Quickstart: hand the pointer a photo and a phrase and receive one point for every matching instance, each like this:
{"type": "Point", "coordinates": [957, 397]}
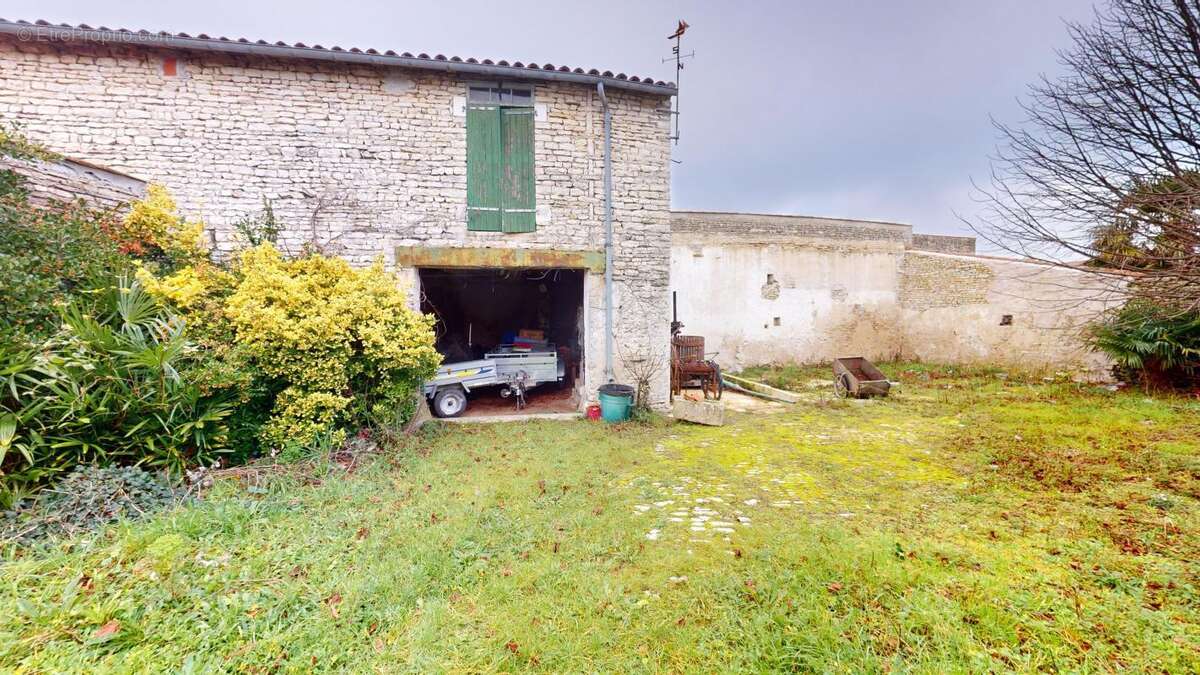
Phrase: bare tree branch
{"type": "Point", "coordinates": [1103, 173]}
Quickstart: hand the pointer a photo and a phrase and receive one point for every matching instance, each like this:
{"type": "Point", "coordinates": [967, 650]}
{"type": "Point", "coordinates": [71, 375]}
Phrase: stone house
{"type": "Point", "coordinates": [482, 183]}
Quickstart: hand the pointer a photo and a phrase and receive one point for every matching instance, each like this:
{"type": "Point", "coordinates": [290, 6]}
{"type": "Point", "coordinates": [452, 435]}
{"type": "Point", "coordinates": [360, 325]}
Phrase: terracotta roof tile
{"type": "Point", "coordinates": [202, 42]}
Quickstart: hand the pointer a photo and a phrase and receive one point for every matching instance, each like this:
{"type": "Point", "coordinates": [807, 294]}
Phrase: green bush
{"type": "Point", "coordinates": [1158, 345]}
{"type": "Point", "coordinates": [107, 388]}
{"type": "Point", "coordinates": [86, 499]}
{"type": "Point", "coordinates": [276, 353]}
{"type": "Point", "coordinates": [340, 344]}
{"type": "Point", "coordinates": [258, 228]}
{"type": "Point", "coordinates": [49, 256]}
{"type": "Point", "coordinates": [222, 368]}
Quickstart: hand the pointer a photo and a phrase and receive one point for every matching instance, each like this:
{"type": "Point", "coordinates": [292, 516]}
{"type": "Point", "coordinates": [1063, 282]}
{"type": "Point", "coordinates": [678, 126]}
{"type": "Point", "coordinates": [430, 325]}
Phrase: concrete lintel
{"type": "Point", "coordinates": [456, 256]}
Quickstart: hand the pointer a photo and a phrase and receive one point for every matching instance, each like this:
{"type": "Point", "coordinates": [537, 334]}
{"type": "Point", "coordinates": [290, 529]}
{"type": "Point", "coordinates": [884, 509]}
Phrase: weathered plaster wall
{"type": "Point", "coordinates": [769, 289]}
{"type": "Point", "coordinates": [771, 303]}
{"type": "Point", "coordinates": [782, 290]}
{"type": "Point", "coordinates": [356, 159]}
{"type": "Point", "coordinates": [954, 309]}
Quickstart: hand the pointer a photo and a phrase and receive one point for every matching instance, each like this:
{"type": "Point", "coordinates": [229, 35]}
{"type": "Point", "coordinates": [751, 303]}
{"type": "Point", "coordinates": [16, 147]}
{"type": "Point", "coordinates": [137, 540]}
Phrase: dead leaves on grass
{"type": "Point", "coordinates": [332, 603]}
{"type": "Point", "coordinates": [107, 631]}
{"type": "Point", "coordinates": [1139, 537]}
{"type": "Point", "coordinates": [515, 649]}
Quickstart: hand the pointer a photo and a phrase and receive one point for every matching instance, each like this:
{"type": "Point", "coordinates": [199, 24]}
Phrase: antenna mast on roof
{"type": "Point", "coordinates": [677, 56]}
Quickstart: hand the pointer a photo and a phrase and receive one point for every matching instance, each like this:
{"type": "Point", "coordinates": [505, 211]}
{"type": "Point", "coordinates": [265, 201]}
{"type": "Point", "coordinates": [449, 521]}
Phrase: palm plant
{"type": "Point", "coordinates": [17, 412]}
{"type": "Point", "coordinates": [1159, 345]}
{"type": "Point", "coordinates": [108, 388]}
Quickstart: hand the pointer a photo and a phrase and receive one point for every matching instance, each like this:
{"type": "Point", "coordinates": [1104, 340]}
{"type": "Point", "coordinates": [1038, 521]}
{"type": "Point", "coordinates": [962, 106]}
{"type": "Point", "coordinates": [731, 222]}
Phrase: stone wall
{"type": "Point", "coordinates": [758, 227]}
{"type": "Point", "coordinates": [943, 243]}
{"type": "Point", "coordinates": [771, 289]}
{"type": "Point", "coordinates": [787, 290]}
{"type": "Point", "coordinates": [1001, 311]}
{"type": "Point", "coordinates": [356, 160]}
{"type": "Point", "coordinates": [928, 282]}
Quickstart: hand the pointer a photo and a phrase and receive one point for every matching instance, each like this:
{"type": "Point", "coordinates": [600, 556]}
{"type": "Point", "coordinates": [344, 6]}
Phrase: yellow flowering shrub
{"type": "Point", "coordinates": [154, 225]}
{"type": "Point", "coordinates": [341, 342]}
{"type": "Point", "coordinates": [302, 415]}
{"type": "Point", "coordinates": [188, 286]}
{"type": "Point", "coordinates": [197, 292]}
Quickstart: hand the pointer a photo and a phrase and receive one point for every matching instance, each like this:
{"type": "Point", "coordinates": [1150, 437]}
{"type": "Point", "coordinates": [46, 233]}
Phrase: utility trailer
{"type": "Point", "coordinates": [516, 371]}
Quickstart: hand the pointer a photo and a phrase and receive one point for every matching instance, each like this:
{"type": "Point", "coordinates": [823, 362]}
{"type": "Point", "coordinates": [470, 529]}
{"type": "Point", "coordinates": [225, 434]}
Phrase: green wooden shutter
{"type": "Point", "coordinates": [485, 160]}
{"type": "Point", "coordinates": [517, 188]}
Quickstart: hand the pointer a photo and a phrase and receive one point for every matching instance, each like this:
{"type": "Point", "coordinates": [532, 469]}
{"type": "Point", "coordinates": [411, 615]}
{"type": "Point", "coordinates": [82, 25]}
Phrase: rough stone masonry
{"type": "Point", "coordinates": [359, 159]}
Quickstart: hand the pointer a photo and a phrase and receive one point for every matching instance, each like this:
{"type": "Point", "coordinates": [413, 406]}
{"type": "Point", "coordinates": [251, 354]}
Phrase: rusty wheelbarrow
{"type": "Point", "coordinates": [859, 378]}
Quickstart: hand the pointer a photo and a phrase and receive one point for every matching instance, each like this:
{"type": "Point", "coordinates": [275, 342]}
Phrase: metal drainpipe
{"type": "Point", "coordinates": [608, 237]}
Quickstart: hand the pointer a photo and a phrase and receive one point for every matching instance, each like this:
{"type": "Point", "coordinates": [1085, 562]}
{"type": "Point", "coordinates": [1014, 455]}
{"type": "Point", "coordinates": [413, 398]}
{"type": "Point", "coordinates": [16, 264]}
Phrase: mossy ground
{"type": "Point", "coordinates": [973, 521]}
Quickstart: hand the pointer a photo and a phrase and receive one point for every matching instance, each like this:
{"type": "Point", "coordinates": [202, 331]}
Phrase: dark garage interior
{"type": "Point", "coordinates": [478, 310]}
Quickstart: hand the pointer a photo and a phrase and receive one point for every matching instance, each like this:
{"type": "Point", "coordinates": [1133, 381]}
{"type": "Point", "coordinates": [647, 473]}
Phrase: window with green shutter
{"type": "Point", "coordinates": [500, 180]}
{"type": "Point", "coordinates": [485, 164]}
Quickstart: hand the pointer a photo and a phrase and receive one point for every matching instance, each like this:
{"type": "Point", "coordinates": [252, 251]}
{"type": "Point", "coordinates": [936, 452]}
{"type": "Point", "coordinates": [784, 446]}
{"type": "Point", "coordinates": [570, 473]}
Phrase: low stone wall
{"type": "Point", "coordinates": [760, 228]}
{"type": "Point", "coordinates": [944, 243]}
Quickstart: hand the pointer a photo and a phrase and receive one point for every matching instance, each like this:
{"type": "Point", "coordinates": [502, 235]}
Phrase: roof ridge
{"type": "Point", "coordinates": [63, 32]}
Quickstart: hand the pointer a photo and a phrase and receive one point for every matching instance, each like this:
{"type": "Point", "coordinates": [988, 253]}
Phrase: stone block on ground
{"type": "Point", "coordinates": [711, 413]}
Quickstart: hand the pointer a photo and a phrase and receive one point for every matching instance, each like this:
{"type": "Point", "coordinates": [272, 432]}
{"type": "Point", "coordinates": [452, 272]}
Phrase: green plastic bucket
{"type": "Point", "coordinates": [616, 400]}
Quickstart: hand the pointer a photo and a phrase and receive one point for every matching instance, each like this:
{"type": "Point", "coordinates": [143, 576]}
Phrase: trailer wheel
{"type": "Point", "coordinates": [841, 386]}
{"type": "Point", "coordinates": [450, 402]}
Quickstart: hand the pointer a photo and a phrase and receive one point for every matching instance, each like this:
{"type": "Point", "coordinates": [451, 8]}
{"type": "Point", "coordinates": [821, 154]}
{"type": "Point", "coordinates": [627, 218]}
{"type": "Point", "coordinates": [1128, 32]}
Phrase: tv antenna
{"type": "Point", "coordinates": [678, 56]}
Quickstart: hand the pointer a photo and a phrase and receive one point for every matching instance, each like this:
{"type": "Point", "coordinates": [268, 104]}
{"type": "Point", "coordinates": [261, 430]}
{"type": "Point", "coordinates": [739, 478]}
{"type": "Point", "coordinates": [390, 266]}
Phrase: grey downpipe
{"type": "Point", "coordinates": [608, 237]}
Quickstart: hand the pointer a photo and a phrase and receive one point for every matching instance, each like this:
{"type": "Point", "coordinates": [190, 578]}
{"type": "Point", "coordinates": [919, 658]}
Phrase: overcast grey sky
{"type": "Point", "coordinates": [855, 108]}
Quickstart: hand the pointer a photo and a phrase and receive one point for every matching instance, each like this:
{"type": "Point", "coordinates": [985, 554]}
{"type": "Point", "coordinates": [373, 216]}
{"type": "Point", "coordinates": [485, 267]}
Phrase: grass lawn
{"type": "Point", "coordinates": [970, 522]}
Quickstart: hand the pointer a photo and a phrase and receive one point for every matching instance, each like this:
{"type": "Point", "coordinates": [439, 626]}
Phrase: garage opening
{"type": "Point", "coordinates": [526, 323]}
